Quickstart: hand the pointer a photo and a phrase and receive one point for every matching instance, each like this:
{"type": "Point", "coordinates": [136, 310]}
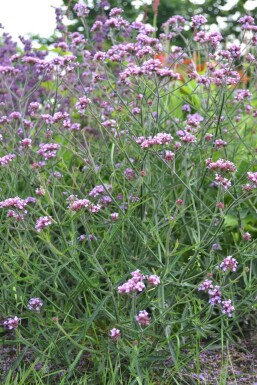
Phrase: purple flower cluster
{"type": "Point", "coordinates": [219, 143]}
{"type": "Point", "coordinates": [16, 202]}
{"type": "Point", "coordinates": [42, 223]}
{"type": "Point", "coordinates": [212, 38]}
{"type": "Point", "coordinates": [82, 104]}
{"type": "Point", "coordinates": [215, 295]}
{"type": "Point", "coordinates": [159, 139]}
{"type": "Point", "coordinates": [148, 68]}
{"type": "Point", "coordinates": [136, 283]}
{"type": "Point", "coordinates": [198, 21]}
{"type": "Point", "coordinates": [99, 190]}
{"type": "Point", "coordinates": [143, 318]}
{"type": "Point", "coordinates": [227, 308]}
{"type": "Point", "coordinates": [4, 160]}
{"type": "Point", "coordinates": [115, 334]}
{"type": "Point", "coordinates": [221, 164]}
{"type": "Point", "coordinates": [169, 155]}
{"type": "Point", "coordinates": [48, 150]}
{"type": "Point", "coordinates": [177, 23]}
{"type": "Point", "coordinates": [81, 9]}
{"type": "Point", "coordinates": [78, 204]}
{"type": "Point", "coordinates": [12, 323]}
{"type": "Point", "coordinates": [252, 176]}
{"type": "Point", "coordinates": [222, 181]}
{"type": "Point", "coordinates": [35, 304]}
{"type": "Point", "coordinates": [206, 285]}
{"type": "Point", "coordinates": [247, 23]}
{"type": "Point", "coordinates": [229, 263]}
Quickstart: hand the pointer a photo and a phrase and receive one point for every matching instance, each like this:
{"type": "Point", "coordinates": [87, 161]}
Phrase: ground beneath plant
{"type": "Point", "coordinates": [236, 365]}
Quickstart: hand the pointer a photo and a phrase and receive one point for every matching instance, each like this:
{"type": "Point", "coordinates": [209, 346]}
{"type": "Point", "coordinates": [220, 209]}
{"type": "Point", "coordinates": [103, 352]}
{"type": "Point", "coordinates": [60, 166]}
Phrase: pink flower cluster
{"type": "Point", "coordinates": [198, 20]}
{"type": "Point", "coordinates": [149, 67]}
{"type": "Point", "coordinates": [41, 66]}
{"type": "Point", "coordinates": [81, 9]}
{"type": "Point", "coordinates": [115, 334]}
{"type": "Point", "coordinates": [42, 223]}
{"type": "Point", "coordinates": [215, 298]}
{"type": "Point", "coordinates": [219, 143]}
{"type": "Point", "coordinates": [159, 139]}
{"type": "Point", "coordinates": [176, 22]}
{"type": "Point", "coordinates": [229, 263]}
{"type": "Point", "coordinates": [215, 295]}
{"type": "Point", "coordinates": [223, 182]}
{"type": "Point", "coordinates": [114, 216]}
{"type": "Point", "coordinates": [169, 155]}
{"type": "Point", "coordinates": [186, 137]}
{"type": "Point", "coordinates": [136, 283]}
{"type": "Point", "coordinates": [213, 38]}
{"type": "Point", "coordinates": [247, 23]}
{"type": "Point", "coordinates": [99, 190]}
{"type": "Point", "coordinates": [59, 116]}
{"type": "Point", "coordinates": [116, 12]}
{"type": "Point", "coordinates": [15, 115]}
{"type": "Point", "coordinates": [40, 191]}
{"type": "Point", "coordinates": [17, 216]}
{"type": "Point", "coordinates": [19, 204]}
{"type": "Point", "coordinates": [143, 318]}
{"type": "Point", "coordinates": [25, 143]}
{"type": "Point", "coordinates": [242, 95]}
{"type": "Point", "coordinates": [4, 160]}
{"type": "Point", "coordinates": [33, 108]}
{"type": "Point", "coordinates": [79, 204]}
{"type": "Point", "coordinates": [130, 174]}
{"type": "Point", "coordinates": [94, 208]}
{"type": "Point", "coordinates": [252, 176]}
{"type": "Point", "coordinates": [82, 104]}
{"type": "Point", "coordinates": [153, 279]}
{"type": "Point", "coordinates": [9, 70]}
{"type": "Point", "coordinates": [49, 150]}
{"type": "Point", "coordinates": [35, 304]}
{"type": "Point", "coordinates": [206, 285]}
{"type": "Point", "coordinates": [16, 202]}
{"type": "Point", "coordinates": [227, 307]}
{"type": "Point", "coordinates": [12, 323]}
{"type": "Point", "coordinates": [221, 164]}
{"type": "Point", "coordinates": [144, 45]}
{"type": "Point", "coordinates": [247, 236]}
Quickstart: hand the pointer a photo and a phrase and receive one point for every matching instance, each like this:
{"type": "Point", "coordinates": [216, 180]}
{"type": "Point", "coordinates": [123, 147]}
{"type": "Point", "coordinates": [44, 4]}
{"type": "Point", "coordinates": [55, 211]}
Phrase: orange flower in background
{"type": "Point", "coordinates": [244, 77]}
{"type": "Point", "coordinates": [199, 67]}
{"type": "Point", "coordinates": [162, 57]}
{"type": "Point", "coordinates": [188, 65]}
{"type": "Point", "coordinates": [182, 67]}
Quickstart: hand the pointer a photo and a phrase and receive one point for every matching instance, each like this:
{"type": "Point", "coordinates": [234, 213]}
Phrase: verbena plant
{"type": "Point", "coordinates": [128, 200]}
